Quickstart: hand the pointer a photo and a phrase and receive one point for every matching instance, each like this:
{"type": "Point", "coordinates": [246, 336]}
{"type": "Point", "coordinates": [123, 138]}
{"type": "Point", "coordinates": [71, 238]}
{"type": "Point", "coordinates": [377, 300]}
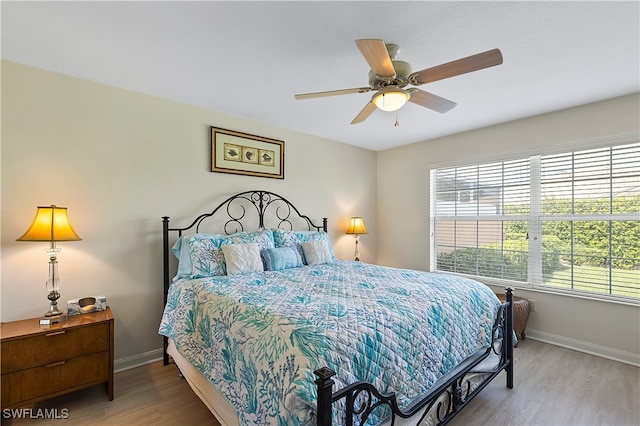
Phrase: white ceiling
{"type": "Point", "coordinates": [248, 59]}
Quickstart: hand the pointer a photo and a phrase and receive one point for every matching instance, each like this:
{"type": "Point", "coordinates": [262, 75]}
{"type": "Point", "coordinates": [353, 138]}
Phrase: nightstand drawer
{"type": "Point", "coordinates": [53, 346]}
{"type": "Point", "coordinates": [57, 377]}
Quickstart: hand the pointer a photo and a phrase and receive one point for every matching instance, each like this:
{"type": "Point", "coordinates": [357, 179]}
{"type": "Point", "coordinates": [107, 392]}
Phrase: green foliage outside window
{"type": "Point", "coordinates": [596, 243]}
{"type": "Point", "coordinates": [509, 260]}
{"type": "Point", "coordinates": [604, 243]}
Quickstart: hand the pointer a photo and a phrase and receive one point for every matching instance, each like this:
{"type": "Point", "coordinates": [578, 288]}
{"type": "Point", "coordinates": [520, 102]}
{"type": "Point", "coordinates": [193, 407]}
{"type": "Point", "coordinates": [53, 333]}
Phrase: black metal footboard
{"type": "Point", "coordinates": [446, 400]}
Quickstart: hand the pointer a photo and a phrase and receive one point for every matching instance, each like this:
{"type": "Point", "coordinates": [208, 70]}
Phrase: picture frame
{"type": "Point", "coordinates": [244, 154]}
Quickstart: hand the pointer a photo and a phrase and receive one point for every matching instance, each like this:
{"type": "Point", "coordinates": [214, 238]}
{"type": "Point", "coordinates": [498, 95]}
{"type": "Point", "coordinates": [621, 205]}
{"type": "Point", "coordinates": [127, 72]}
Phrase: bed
{"type": "Point", "coordinates": [268, 327]}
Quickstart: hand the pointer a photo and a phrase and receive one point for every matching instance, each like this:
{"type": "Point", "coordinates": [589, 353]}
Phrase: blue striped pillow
{"type": "Point", "coordinates": [275, 259]}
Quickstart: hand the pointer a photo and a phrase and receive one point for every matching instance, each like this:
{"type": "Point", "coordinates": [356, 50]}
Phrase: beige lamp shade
{"type": "Point", "coordinates": [50, 224]}
{"type": "Point", "coordinates": [356, 226]}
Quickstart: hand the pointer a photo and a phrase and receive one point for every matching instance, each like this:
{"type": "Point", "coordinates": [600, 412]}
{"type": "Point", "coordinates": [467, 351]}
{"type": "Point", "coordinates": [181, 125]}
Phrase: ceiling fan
{"type": "Point", "coordinates": [389, 77]}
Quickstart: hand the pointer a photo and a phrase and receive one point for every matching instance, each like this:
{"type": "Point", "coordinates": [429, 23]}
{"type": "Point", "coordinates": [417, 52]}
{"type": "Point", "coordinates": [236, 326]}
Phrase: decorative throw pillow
{"type": "Point", "coordinates": [317, 252]}
{"type": "Point", "coordinates": [242, 258]}
{"type": "Point", "coordinates": [279, 258]}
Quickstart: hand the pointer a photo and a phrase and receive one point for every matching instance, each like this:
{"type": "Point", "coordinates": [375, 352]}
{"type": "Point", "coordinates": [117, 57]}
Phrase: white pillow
{"type": "Point", "coordinates": [316, 252]}
{"type": "Point", "coordinates": [242, 258]}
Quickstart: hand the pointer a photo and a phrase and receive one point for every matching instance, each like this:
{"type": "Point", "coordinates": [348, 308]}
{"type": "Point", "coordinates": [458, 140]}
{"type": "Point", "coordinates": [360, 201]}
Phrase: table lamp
{"type": "Point", "coordinates": [51, 225]}
{"type": "Point", "coordinates": [356, 227]}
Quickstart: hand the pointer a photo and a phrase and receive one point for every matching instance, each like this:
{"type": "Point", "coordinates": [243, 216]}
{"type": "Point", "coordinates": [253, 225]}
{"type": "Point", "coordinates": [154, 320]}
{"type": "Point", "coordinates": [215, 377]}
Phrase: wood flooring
{"type": "Point", "coordinates": [553, 386]}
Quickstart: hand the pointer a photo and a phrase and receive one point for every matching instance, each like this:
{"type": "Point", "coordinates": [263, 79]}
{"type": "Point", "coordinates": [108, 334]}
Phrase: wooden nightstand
{"type": "Point", "coordinates": [40, 363]}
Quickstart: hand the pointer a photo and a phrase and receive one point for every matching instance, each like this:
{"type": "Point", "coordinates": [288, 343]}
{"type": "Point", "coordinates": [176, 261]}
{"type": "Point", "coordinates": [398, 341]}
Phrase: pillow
{"type": "Point", "coordinates": [275, 259]}
{"type": "Point", "coordinates": [317, 252]}
{"type": "Point", "coordinates": [263, 237]}
{"type": "Point", "coordinates": [206, 256]}
{"type": "Point", "coordinates": [181, 251]}
{"type": "Point", "coordinates": [283, 238]}
{"type": "Point", "coordinates": [242, 258]}
{"type": "Point", "coordinates": [296, 238]}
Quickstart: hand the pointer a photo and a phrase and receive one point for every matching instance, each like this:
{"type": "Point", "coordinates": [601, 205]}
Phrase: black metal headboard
{"type": "Point", "coordinates": [262, 209]}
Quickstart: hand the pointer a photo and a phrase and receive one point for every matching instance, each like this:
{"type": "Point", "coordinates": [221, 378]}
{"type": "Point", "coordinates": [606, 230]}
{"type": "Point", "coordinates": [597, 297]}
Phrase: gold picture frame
{"type": "Point", "coordinates": [244, 154]}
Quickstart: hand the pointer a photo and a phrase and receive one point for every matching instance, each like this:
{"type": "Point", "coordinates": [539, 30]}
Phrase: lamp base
{"type": "Point", "coordinates": [54, 314]}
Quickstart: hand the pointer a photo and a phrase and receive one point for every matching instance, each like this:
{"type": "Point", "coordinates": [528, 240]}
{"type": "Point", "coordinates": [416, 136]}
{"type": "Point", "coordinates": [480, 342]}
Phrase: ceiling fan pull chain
{"type": "Point", "coordinates": [397, 123]}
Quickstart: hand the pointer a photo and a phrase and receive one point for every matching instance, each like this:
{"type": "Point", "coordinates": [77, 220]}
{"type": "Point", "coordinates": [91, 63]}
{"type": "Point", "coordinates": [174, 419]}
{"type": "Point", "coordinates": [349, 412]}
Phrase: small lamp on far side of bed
{"type": "Point", "coordinates": [356, 228]}
{"type": "Point", "coordinates": [51, 224]}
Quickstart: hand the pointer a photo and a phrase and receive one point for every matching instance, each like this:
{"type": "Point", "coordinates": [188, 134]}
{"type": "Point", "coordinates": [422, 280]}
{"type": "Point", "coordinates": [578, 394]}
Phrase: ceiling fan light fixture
{"type": "Point", "coordinates": [390, 98]}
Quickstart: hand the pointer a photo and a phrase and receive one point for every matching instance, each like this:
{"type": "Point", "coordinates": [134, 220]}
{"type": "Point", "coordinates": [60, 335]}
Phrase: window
{"type": "Point", "coordinates": [569, 222]}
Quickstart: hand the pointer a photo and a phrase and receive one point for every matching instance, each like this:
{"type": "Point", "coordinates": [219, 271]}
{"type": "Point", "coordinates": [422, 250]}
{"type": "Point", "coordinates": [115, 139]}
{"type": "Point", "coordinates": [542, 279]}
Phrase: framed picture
{"type": "Point", "coordinates": [244, 154]}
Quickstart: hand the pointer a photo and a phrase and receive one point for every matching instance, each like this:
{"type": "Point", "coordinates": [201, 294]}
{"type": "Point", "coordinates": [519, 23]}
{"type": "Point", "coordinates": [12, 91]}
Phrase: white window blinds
{"type": "Point", "coordinates": [569, 221]}
{"type": "Point", "coordinates": [481, 219]}
{"type": "Point", "coordinates": [590, 203]}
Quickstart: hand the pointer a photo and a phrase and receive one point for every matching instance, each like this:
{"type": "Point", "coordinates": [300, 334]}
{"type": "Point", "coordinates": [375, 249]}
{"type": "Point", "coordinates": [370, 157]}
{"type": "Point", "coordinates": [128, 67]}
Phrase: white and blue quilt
{"type": "Point", "coordinates": [258, 337]}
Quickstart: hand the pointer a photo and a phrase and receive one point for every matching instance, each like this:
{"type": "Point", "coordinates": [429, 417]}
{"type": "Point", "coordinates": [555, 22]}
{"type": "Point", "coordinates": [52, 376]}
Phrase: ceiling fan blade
{"type": "Point", "coordinates": [332, 93]}
{"type": "Point", "coordinates": [365, 113]}
{"type": "Point", "coordinates": [431, 101]}
{"type": "Point", "coordinates": [376, 55]}
{"type": "Point", "coordinates": [471, 63]}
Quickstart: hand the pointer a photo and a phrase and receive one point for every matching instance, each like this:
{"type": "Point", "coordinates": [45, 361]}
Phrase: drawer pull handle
{"type": "Point", "coordinates": [55, 364]}
{"type": "Point", "coordinates": [56, 333]}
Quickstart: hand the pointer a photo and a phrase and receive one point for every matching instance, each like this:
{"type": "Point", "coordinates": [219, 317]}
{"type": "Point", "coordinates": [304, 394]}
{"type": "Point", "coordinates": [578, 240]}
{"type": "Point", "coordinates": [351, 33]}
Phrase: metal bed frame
{"type": "Point", "coordinates": [450, 394]}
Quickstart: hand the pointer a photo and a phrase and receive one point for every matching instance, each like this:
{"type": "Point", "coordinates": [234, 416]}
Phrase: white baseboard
{"type": "Point", "coordinates": [586, 347]}
{"type": "Point", "coordinates": [137, 360]}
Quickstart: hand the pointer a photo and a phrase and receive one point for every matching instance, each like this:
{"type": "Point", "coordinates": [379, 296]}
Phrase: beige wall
{"type": "Point", "coordinates": [120, 161]}
{"type": "Point", "coordinates": [403, 213]}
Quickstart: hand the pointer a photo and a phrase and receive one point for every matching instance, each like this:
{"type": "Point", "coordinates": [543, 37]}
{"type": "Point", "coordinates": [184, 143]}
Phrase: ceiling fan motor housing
{"type": "Point", "coordinates": [403, 70]}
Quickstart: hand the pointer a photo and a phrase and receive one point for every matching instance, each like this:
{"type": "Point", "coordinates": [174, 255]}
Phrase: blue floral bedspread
{"type": "Point", "coordinates": [258, 337]}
